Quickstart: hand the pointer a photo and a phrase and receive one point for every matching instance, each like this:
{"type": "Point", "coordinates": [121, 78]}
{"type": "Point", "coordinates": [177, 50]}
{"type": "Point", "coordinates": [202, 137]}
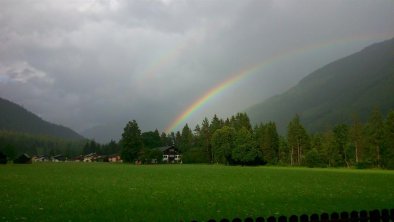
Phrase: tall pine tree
{"type": "Point", "coordinates": [375, 136]}
{"type": "Point", "coordinates": [268, 140]}
{"type": "Point", "coordinates": [186, 139]}
{"type": "Point", "coordinates": [131, 142]}
{"type": "Point", "coordinates": [298, 141]}
{"type": "Point", "coordinates": [206, 136]}
{"type": "Point", "coordinates": [341, 142]}
{"type": "Point", "coordinates": [356, 137]}
{"type": "Point", "coordinates": [389, 140]}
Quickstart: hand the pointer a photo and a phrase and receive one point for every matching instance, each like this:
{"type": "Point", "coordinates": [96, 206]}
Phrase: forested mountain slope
{"type": "Point", "coordinates": [334, 93]}
{"type": "Point", "coordinates": [13, 117]}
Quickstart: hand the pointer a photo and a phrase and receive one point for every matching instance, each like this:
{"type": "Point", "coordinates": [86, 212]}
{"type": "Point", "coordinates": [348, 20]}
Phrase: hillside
{"type": "Point", "coordinates": [105, 133]}
{"type": "Point", "coordinates": [13, 117]}
{"type": "Point", "coordinates": [333, 93]}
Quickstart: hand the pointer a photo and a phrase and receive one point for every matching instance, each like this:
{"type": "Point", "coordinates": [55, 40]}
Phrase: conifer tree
{"type": "Point", "coordinates": [341, 141]}
{"type": "Point", "coordinates": [151, 139]}
{"type": "Point", "coordinates": [284, 157]}
{"type": "Point", "coordinates": [186, 139]}
{"type": "Point", "coordinates": [206, 136]}
{"type": "Point", "coordinates": [357, 139]}
{"type": "Point", "coordinates": [178, 139]}
{"type": "Point", "coordinates": [165, 141]}
{"type": "Point", "coordinates": [375, 135]}
{"type": "Point", "coordinates": [389, 140]}
{"type": "Point", "coordinates": [131, 142]}
{"type": "Point", "coordinates": [197, 137]}
{"type": "Point", "coordinates": [241, 120]}
{"type": "Point", "coordinates": [268, 140]}
{"type": "Point", "coordinates": [329, 153]}
{"type": "Point", "coordinates": [216, 124]}
{"type": "Point", "coordinates": [298, 140]}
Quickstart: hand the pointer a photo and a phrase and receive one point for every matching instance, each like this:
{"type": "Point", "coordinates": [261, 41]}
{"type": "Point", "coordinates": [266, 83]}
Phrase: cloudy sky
{"type": "Point", "coordinates": [99, 62]}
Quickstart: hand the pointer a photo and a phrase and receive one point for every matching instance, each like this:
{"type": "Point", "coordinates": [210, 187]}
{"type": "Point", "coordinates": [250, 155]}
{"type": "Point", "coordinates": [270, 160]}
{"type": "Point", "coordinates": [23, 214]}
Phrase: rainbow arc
{"type": "Point", "coordinates": [253, 69]}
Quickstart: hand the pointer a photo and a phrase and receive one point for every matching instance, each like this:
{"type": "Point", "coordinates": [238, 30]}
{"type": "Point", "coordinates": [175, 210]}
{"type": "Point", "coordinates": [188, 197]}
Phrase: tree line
{"type": "Point", "coordinates": [234, 141]}
{"type": "Point", "coordinates": [12, 144]}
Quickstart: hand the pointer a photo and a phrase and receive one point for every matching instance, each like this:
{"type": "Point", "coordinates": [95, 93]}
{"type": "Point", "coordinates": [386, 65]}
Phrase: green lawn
{"type": "Point", "coordinates": [97, 192]}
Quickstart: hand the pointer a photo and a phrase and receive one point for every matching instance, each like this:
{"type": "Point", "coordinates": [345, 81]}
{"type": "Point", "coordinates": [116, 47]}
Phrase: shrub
{"type": "Point", "coordinates": [313, 159]}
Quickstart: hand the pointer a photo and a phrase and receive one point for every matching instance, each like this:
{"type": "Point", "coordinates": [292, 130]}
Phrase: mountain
{"type": "Point", "coordinates": [105, 133]}
{"type": "Point", "coordinates": [13, 117]}
{"type": "Point", "coordinates": [332, 94]}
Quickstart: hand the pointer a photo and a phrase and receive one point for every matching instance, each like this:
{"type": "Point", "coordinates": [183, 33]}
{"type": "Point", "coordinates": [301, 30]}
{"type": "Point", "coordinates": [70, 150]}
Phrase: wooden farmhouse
{"type": "Point", "coordinates": [171, 154]}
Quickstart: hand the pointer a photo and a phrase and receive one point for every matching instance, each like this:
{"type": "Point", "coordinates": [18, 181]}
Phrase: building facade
{"type": "Point", "coordinates": [171, 154]}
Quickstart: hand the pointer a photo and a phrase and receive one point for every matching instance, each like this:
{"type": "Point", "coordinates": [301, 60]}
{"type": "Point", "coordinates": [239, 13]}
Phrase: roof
{"type": "Point", "coordinates": [114, 155]}
{"type": "Point", "coordinates": [25, 155]}
{"type": "Point", "coordinates": [58, 156]}
{"type": "Point", "coordinates": [24, 158]}
{"type": "Point", "coordinates": [91, 155]}
{"type": "Point", "coordinates": [164, 148]}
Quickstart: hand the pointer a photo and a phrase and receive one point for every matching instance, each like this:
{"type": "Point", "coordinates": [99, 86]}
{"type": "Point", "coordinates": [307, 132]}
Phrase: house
{"type": "Point", "coordinates": [102, 158]}
{"type": "Point", "coordinates": [40, 159]}
{"type": "Point", "coordinates": [170, 154]}
{"type": "Point", "coordinates": [59, 158]}
{"type": "Point", "coordinates": [79, 158]}
{"type": "Point", "coordinates": [115, 158]}
{"type": "Point", "coordinates": [24, 158]}
{"type": "Point", "coordinates": [91, 157]}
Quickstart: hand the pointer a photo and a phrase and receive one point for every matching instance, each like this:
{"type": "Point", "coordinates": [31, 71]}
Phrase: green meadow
{"type": "Point", "coordinates": [123, 192]}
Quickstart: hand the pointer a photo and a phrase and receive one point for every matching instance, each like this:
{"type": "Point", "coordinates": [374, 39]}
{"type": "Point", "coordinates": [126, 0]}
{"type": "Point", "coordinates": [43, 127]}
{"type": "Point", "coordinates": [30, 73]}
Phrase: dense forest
{"type": "Point", "coordinates": [14, 143]}
{"type": "Point", "coordinates": [234, 141]}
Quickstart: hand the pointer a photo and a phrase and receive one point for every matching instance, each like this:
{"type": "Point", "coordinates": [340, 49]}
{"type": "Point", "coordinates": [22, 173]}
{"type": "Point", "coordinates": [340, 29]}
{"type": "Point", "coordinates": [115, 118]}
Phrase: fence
{"type": "Point", "coordinates": [354, 216]}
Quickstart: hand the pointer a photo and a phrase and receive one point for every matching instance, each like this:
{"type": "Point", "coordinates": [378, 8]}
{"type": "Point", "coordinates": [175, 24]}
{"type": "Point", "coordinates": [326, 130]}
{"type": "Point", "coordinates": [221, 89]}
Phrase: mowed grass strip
{"type": "Point", "coordinates": [123, 192]}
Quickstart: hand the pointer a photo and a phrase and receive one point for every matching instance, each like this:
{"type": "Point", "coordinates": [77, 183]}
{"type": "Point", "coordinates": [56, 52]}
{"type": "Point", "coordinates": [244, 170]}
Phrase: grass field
{"type": "Point", "coordinates": [98, 192]}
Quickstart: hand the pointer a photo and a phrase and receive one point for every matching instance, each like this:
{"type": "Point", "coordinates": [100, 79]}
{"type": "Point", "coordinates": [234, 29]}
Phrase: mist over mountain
{"type": "Point", "coordinates": [332, 94]}
{"type": "Point", "coordinates": [14, 117]}
{"type": "Point", "coordinates": [105, 133]}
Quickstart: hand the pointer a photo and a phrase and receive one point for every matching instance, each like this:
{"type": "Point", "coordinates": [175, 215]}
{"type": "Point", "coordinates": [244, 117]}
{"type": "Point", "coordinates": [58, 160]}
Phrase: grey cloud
{"type": "Point", "coordinates": [87, 63]}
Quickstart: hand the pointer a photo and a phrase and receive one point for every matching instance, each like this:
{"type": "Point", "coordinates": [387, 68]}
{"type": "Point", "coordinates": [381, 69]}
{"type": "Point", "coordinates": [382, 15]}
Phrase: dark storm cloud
{"type": "Point", "coordinates": [86, 63]}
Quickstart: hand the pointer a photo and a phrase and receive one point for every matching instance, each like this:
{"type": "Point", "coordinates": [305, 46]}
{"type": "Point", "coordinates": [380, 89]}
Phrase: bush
{"type": "Point", "coordinates": [194, 155]}
{"type": "Point", "coordinates": [313, 159]}
{"type": "Point", "coordinates": [363, 165]}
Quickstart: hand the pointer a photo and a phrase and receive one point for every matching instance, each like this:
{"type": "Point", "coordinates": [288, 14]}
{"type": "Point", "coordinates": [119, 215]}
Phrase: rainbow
{"type": "Point", "coordinates": [252, 69]}
{"type": "Point", "coordinates": [212, 93]}
{"type": "Point", "coordinates": [166, 58]}
{"type": "Point", "coordinates": [159, 64]}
